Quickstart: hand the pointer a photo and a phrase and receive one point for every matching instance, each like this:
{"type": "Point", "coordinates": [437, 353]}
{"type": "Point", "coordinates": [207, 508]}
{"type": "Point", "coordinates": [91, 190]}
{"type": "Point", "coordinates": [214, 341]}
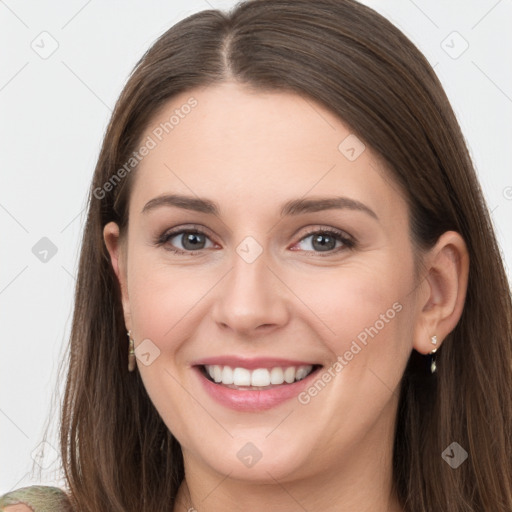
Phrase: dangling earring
{"type": "Point", "coordinates": [131, 352]}
{"type": "Point", "coordinates": [433, 366]}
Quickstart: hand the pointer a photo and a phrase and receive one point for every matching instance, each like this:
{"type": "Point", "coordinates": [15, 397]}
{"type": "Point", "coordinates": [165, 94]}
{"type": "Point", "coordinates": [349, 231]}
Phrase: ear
{"type": "Point", "coordinates": [443, 291]}
{"type": "Point", "coordinates": [117, 250]}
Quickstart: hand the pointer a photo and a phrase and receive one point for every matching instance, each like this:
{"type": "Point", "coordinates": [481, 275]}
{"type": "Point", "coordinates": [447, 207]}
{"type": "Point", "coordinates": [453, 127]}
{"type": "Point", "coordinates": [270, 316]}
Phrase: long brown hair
{"type": "Point", "coordinates": [118, 455]}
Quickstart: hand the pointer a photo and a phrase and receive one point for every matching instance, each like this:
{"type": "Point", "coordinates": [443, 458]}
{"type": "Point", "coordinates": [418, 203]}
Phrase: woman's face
{"type": "Point", "coordinates": [263, 236]}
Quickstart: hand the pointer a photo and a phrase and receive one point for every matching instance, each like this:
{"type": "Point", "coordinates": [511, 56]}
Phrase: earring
{"type": "Point", "coordinates": [131, 352]}
{"type": "Point", "coordinates": [433, 366]}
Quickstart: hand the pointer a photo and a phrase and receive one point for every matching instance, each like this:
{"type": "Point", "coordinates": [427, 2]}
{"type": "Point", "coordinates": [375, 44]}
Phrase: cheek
{"type": "Point", "coordinates": [356, 302]}
{"type": "Point", "coordinates": [163, 296]}
{"type": "Point", "coordinates": [369, 308]}
{"type": "Point", "coordinates": [162, 299]}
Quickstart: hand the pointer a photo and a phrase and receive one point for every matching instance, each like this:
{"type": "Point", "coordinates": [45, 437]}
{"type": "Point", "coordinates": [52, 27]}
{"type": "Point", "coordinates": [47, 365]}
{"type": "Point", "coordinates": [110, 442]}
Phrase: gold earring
{"type": "Point", "coordinates": [433, 365]}
{"type": "Point", "coordinates": [131, 352]}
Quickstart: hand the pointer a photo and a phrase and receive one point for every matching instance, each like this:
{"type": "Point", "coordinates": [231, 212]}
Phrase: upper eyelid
{"type": "Point", "coordinates": [180, 230]}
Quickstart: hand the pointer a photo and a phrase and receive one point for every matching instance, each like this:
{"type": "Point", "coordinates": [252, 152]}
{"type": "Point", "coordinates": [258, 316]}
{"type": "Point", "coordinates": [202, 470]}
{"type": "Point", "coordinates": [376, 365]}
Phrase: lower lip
{"type": "Point", "coordinates": [257, 400]}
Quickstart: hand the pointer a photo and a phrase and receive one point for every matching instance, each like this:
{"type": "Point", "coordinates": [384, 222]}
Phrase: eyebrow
{"type": "Point", "coordinates": [293, 207]}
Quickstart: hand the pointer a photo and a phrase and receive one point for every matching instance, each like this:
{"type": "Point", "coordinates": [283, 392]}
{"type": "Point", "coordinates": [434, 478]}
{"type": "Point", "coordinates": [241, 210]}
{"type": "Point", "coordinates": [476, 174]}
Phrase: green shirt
{"type": "Point", "coordinates": [40, 498]}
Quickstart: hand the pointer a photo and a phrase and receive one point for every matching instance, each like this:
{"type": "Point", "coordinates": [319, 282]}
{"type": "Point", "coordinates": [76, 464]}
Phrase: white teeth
{"type": "Point", "coordinates": [301, 373]}
{"type": "Point", "coordinates": [227, 375]}
{"type": "Point", "coordinates": [260, 377]}
{"type": "Point", "coordinates": [276, 375]}
{"type": "Point", "coordinates": [217, 374]}
{"type": "Point", "coordinates": [241, 377]}
{"type": "Point", "coordinates": [289, 374]}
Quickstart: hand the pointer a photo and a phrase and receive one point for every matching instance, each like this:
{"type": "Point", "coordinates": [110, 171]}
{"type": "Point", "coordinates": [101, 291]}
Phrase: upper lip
{"type": "Point", "coordinates": [251, 364]}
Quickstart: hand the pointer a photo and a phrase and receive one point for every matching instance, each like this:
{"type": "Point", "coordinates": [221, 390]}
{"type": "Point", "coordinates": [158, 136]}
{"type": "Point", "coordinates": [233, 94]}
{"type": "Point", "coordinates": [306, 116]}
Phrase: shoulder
{"type": "Point", "coordinates": [36, 498]}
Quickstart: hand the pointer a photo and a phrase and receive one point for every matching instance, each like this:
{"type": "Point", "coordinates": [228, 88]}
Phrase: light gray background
{"type": "Point", "coordinates": [54, 112]}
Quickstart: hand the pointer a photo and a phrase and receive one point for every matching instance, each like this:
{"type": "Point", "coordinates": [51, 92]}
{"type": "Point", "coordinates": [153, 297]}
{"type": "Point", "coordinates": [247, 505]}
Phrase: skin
{"type": "Point", "coordinates": [250, 152]}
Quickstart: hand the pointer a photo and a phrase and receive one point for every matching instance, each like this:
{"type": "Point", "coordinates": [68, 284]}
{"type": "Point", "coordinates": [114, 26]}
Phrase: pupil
{"type": "Point", "coordinates": [193, 239]}
{"type": "Point", "coordinates": [324, 246]}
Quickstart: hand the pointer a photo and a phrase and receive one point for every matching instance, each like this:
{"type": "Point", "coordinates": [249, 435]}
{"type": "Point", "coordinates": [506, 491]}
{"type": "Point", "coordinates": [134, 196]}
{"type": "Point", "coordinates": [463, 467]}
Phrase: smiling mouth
{"type": "Point", "coordinates": [259, 379]}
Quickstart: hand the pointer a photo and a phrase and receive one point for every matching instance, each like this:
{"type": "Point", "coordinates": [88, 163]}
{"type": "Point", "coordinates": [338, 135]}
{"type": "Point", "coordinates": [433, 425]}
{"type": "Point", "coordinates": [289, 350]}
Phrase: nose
{"type": "Point", "coordinates": [251, 299]}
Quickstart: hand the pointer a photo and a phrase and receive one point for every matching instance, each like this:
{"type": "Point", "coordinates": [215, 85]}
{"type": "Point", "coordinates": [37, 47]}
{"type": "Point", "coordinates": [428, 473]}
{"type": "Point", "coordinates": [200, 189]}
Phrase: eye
{"type": "Point", "coordinates": [327, 241]}
{"type": "Point", "coordinates": [191, 240]}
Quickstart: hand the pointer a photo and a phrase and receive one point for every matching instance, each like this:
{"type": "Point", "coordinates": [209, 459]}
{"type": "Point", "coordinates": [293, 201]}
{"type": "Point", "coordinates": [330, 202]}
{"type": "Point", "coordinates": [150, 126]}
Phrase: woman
{"type": "Point", "coordinates": [287, 242]}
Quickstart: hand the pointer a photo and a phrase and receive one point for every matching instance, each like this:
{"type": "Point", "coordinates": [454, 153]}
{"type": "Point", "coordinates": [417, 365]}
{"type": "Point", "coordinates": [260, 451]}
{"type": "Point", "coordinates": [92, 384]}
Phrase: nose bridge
{"type": "Point", "coordinates": [250, 269]}
{"type": "Point", "coordinates": [250, 295]}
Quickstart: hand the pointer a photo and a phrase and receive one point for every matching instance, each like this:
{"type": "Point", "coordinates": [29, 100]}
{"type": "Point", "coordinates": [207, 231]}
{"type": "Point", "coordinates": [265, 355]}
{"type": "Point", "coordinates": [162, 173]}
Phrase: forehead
{"type": "Point", "coordinates": [252, 148]}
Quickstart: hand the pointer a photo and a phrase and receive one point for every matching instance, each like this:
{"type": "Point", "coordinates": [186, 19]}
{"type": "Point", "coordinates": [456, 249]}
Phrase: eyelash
{"type": "Point", "coordinates": [348, 242]}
